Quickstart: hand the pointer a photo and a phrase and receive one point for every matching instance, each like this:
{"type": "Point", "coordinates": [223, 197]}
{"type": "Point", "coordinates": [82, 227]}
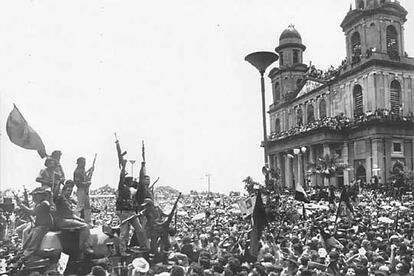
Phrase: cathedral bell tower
{"type": "Point", "coordinates": [374, 26]}
{"type": "Point", "coordinates": [289, 76]}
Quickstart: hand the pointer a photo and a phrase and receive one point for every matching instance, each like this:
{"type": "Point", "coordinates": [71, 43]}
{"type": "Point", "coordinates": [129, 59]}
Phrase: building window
{"type": "Point", "coordinates": [299, 119]}
{"type": "Point", "coordinates": [295, 56]}
{"type": "Point", "coordinates": [396, 148]}
{"type": "Point", "coordinates": [361, 5]}
{"type": "Point", "coordinates": [277, 125]}
{"type": "Point", "coordinates": [277, 93]}
{"type": "Point", "coordinates": [356, 47]}
{"type": "Point", "coordinates": [310, 113]}
{"type": "Point", "coordinates": [358, 101]}
{"type": "Point", "coordinates": [395, 96]}
{"type": "Point", "coordinates": [281, 58]}
{"type": "Point", "coordinates": [322, 109]}
{"type": "Point", "coordinates": [392, 42]}
{"type": "Point", "coordinates": [298, 83]}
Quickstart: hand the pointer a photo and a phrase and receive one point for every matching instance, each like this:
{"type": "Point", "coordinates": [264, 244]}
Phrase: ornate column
{"type": "Point", "coordinates": [288, 172]}
{"type": "Point", "coordinates": [326, 150]}
{"type": "Point", "coordinates": [346, 161]}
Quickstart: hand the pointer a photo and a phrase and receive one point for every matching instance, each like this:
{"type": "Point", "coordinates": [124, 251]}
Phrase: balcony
{"type": "Point", "coordinates": [340, 124]}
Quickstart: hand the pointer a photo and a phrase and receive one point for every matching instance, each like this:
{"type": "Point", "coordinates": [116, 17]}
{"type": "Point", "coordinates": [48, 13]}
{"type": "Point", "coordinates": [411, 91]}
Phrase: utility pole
{"type": "Point", "coordinates": [208, 179]}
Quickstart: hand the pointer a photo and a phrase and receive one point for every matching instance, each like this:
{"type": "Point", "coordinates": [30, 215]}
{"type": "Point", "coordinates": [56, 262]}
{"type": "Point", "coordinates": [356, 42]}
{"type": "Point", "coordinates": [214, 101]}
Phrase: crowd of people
{"type": "Point", "coordinates": [341, 122]}
{"type": "Point", "coordinates": [209, 236]}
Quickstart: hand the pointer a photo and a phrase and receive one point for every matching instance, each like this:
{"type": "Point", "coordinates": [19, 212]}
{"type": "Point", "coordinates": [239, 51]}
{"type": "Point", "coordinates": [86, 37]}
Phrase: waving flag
{"type": "Point", "coordinates": [23, 135]}
{"type": "Point", "coordinates": [259, 223]}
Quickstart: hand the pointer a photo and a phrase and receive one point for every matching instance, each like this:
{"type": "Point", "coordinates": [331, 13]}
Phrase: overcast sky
{"type": "Point", "coordinates": [171, 73]}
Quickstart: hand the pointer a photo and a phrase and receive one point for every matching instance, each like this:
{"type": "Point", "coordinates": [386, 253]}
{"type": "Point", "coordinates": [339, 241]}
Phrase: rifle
{"type": "Point", "coordinates": [166, 224]}
{"type": "Point", "coordinates": [121, 154]}
{"type": "Point", "coordinates": [26, 197]}
{"type": "Point", "coordinates": [89, 173]}
{"type": "Point", "coordinates": [153, 184]}
{"type": "Point", "coordinates": [143, 151]}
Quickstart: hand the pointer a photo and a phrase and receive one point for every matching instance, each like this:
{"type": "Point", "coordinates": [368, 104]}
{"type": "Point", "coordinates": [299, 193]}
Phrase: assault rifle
{"type": "Point", "coordinates": [121, 160]}
{"type": "Point", "coordinates": [89, 172]}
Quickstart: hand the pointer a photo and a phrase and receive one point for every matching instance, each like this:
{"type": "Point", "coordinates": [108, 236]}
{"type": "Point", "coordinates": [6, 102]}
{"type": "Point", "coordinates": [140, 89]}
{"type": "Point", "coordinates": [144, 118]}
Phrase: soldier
{"type": "Point", "coordinates": [59, 170]}
{"type": "Point", "coordinates": [83, 208]}
{"type": "Point", "coordinates": [48, 176]}
{"type": "Point", "coordinates": [126, 207]}
{"type": "Point", "coordinates": [66, 219]}
{"type": "Point", "coordinates": [43, 221]}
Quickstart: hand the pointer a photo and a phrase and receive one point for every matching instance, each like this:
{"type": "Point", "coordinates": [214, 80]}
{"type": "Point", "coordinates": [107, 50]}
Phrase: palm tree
{"type": "Point", "coordinates": [327, 166]}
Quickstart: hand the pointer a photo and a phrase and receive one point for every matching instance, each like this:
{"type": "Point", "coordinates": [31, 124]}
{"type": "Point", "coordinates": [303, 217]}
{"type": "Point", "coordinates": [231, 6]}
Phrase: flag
{"type": "Point", "coordinates": [259, 223]}
{"type": "Point", "coordinates": [300, 194]}
{"type": "Point", "coordinates": [345, 205]}
{"type": "Point", "coordinates": [23, 135]}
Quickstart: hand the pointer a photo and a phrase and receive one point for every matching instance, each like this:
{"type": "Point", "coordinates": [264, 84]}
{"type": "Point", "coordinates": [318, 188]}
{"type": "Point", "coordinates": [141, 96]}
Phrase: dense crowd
{"type": "Point", "coordinates": [210, 236]}
{"type": "Point", "coordinates": [341, 122]}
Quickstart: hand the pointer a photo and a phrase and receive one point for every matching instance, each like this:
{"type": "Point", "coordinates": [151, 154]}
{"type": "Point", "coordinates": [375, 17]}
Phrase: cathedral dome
{"type": "Point", "coordinates": [290, 35]}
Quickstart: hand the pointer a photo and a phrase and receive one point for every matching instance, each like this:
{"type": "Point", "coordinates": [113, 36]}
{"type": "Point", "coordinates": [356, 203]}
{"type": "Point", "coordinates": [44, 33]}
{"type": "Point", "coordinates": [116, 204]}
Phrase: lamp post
{"type": "Point", "coordinates": [132, 167]}
{"type": "Point", "coordinates": [262, 60]}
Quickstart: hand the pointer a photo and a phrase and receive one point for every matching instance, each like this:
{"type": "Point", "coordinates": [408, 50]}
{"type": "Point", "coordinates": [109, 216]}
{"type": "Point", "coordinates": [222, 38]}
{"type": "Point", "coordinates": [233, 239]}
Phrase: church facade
{"type": "Point", "coordinates": [359, 113]}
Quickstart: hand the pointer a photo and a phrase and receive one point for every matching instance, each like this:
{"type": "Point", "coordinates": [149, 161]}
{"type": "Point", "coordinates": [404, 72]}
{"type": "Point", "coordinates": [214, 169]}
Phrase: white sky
{"type": "Point", "coordinates": [171, 73]}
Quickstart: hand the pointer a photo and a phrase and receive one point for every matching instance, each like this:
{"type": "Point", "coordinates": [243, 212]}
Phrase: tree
{"type": "Point", "coordinates": [402, 176]}
{"type": "Point", "coordinates": [249, 185]}
{"type": "Point", "coordinates": [327, 166]}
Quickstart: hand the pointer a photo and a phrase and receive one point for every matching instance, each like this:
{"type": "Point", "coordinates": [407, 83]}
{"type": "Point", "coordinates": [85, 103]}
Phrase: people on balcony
{"type": "Point", "coordinates": [340, 122]}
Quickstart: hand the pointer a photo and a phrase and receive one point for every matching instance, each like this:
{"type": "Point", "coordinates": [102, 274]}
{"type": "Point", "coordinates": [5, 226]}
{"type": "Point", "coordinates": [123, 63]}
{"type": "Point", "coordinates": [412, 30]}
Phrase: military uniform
{"type": "Point", "coordinates": [83, 207]}
{"type": "Point", "coordinates": [125, 207]}
{"type": "Point", "coordinates": [43, 222]}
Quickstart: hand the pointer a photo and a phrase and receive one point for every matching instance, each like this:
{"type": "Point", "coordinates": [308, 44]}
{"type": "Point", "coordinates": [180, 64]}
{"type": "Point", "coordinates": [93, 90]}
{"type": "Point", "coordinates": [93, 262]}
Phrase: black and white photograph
{"type": "Point", "coordinates": [207, 138]}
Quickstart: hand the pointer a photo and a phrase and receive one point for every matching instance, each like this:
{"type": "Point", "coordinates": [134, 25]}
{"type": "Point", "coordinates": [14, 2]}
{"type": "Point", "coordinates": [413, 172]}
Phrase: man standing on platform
{"type": "Point", "coordinates": [80, 177]}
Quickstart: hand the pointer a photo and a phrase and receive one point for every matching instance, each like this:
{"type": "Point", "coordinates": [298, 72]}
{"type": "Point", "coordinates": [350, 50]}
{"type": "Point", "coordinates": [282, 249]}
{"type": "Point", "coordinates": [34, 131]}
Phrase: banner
{"type": "Point", "coordinates": [23, 135]}
{"type": "Point", "coordinates": [247, 205]}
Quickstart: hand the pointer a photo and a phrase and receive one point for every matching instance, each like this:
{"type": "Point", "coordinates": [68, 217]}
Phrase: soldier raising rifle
{"type": "Point", "coordinates": [126, 207]}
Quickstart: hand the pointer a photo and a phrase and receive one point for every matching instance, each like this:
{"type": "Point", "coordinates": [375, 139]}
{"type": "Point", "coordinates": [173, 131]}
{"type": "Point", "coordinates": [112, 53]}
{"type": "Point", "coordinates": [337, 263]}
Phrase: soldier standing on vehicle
{"type": "Point", "coordinates": [80, 177]}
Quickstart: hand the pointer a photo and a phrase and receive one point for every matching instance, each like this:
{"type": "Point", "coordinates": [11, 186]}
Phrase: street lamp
{"type": "Point", "coordinates": [262, 60]}
{"type": "Point", "coordinates": [132, 167]}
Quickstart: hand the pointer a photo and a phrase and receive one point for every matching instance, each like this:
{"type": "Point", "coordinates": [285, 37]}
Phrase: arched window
{"type": "Point", "coordinates": [322, 109]}
{"type": "Point", "coordinates": [310, 113]}
{"type": "Point", "coordinates": [392, 42]}
{"type": "Point", "coordinates": [395, 96]}
{"type": "Point", "coordinates": [281, 58]}
{"type": "Point", "coordinates": [277, 93]}
{"type": "Point", "coordinates": [299, 119]}
{"type": "Point", "coordinates": [356, 47]}
{"type": "Point", "coordinates": [298, 83]}
{"type": "Point", "coordinates": [358, 103]}
{"type": "Point", "coordinates": [361, 4]}
{"type": "Point", "coordinates": [295, 56]}
{"type": "Point", "coordinates": [277, 125]}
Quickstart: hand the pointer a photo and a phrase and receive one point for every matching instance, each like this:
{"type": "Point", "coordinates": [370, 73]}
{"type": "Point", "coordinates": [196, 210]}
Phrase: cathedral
{"type": "Point", "coordinates": [358, 115]}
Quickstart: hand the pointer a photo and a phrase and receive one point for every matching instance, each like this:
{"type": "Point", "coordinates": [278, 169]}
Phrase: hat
{"type": "Point", "coordinates": [140, 265]}
{"type": "Point", "coordinates": [40, 190]}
